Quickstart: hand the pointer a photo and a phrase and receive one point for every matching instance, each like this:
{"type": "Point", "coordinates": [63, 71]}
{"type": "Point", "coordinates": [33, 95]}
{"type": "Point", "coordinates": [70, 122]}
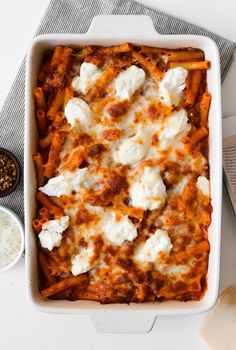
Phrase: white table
{"type": "Point", "coordinates": [21, 326]}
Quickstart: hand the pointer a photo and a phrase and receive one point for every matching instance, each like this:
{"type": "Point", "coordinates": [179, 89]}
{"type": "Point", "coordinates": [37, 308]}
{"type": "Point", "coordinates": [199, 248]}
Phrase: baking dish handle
{"type": "Point", "coordinates": [117, 322]}
{"type": "Point", "coordinates": [123, 26]}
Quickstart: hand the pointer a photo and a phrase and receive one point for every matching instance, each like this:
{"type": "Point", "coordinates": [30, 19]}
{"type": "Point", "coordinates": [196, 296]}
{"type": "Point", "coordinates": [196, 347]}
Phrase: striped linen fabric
{"type": "Point", "coordinates": [75, 16]}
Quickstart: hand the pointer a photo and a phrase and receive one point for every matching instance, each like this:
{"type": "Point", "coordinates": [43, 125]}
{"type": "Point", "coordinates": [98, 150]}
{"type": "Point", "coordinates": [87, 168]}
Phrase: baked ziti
{"type": "Point", "coordinates": [122, 170]}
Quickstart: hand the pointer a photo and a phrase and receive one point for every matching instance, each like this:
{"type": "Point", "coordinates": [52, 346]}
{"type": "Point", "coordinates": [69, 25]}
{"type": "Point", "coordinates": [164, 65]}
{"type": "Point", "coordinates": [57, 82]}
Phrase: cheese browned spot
{"type": "Point", "coordinates": [96, 150]}
{"type": "Point", "coordinates": [83, 216]}
{"type": "Point", "coordinates": [118, 109]}
{"type": "Point", "coordinates": [113, 186]}
{"type": "Point", "coordinates": [153, 111]}
{"type": "Point", "coordinates": [111, 134]}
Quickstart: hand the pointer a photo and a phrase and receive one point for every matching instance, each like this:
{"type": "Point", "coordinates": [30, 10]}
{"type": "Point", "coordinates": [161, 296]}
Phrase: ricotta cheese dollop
{"type": "Point", "coordinates": [119, 229]}
{"type": "Point", "coordinates": [77, 112]}
{"type": "Point", "coordinates": [175, 124]}
{"type": "Point", "coordinates": [51, 233]}
{"type": "Point", "coordinates": [133, 149]}
{"type": "Point", "coordinates": [128, 82]}
{"type": "Point", "coordinates": [157, 243]}
{"type": "Point", "coordinates": [203, 185]}
{"type": "Point", "coordinates": [89, 73]}
{"type": "Point", "coordinates": [150, 191]}
{"type": "Point", "coordinates": [67, 182]}
{"type": "Point", "coordinates": [172, 85]}
{"type": "Point", "coordinates": [81, 262]}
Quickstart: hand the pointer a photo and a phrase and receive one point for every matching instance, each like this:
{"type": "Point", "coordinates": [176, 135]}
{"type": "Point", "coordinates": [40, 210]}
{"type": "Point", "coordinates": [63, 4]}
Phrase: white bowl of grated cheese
{"type": "Point", "coordinates": [11, 239]}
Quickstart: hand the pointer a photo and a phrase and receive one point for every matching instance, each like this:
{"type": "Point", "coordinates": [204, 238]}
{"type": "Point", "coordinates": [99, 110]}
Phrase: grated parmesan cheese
{"type": "Point", "coordinates": [10, 240]}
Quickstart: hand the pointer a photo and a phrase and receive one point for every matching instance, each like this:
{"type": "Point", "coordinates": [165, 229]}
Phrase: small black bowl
{"type": "Point", "coordinates": [18, 173]}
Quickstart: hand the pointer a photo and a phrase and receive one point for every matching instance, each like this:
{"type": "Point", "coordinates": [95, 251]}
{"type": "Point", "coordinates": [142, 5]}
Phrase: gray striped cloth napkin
{"type": "Point", "coordinates": [75, 16]}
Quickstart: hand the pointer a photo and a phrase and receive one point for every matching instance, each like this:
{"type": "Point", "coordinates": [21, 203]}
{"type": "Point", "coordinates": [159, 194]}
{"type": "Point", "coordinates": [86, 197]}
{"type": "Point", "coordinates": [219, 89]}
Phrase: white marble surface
{"type": "Point", "coordinates": [23, 327]}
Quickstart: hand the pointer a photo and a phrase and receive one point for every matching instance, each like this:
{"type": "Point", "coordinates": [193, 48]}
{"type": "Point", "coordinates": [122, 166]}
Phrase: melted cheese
{"type": "Point", "coordinates": [172, 271]}
{"type": "Point", "coordinates": [177, 188]}
{"type": "Point", "coordinates": [81, 262]}
{"type": "Point", "coordinates": [172, 86]}
{"type": "Point", "coordinates": [133, 149]}
{"type": "Point", "coordinates": [177, 270]}
{"type": "Point", "coordinates": [77, 112]}
{"type": "Point", "coordinates": [175, 124]}
{"type": "Point", "coordinates": [89, 73]}
{"type": "Point", "coordinates": [150, 191]}
{"type": "Point", "coordinates": [51, 233]}
{"type": "Point", "coordinates": [128, 82]}
{"type": "Point", "coordinates": [159, 242]}
{"type": "Point", "coordinates": [119, 229]}
{"type": "Point", "coordinates": [203, 185]}
{"type": "Point", "coordinates": [67, 182]}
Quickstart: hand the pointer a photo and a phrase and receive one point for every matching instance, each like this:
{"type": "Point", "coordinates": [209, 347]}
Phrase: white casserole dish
{"type": "Point", "coordinates": [111, 30]}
